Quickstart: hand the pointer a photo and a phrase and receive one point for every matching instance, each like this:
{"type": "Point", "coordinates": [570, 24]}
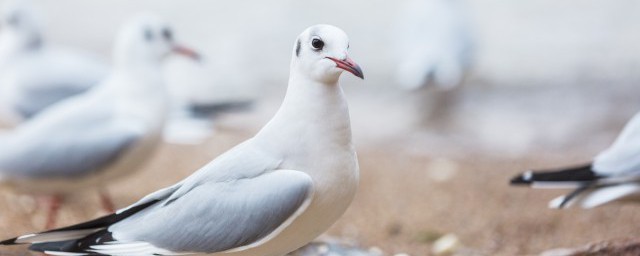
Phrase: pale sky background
{"type": "Point", "coordinates": [530, 40]}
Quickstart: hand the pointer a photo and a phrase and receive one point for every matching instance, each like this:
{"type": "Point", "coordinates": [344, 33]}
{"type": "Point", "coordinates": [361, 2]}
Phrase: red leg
{"type": "Point", "coordinates": [54, 206]}
{"type": "Point", "coordinates": [105, 200]}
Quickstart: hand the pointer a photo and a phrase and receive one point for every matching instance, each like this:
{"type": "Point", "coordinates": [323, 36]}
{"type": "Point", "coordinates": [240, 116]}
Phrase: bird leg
{"type": "Point", "coordinates": [54, 206]}
{"type": "Point", "coordinates": [105, 200]}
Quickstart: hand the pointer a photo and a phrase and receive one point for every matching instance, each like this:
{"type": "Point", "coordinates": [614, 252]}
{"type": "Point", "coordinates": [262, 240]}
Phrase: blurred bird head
{"type": "Point", "coordinates": [20, 25]}
{"type": "Point", "coordinates": [321, 53]}
{"type": "Point", "coordinates": [147, 39]}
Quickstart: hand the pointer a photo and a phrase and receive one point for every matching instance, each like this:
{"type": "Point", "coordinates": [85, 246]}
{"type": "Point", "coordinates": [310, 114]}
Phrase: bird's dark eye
{"type": "Point", "coordinates": [148, 34]}
{"type": "Point", "coordinates": [317, 44]}
{"type": "Point", "coordinates": [167, 34]}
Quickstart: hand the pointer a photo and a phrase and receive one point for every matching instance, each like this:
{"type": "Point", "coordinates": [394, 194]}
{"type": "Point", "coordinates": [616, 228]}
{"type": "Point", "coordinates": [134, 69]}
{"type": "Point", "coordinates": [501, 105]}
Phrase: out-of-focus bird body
{"type": "Point", "coordinates": [433, 44]}
{"type": "Point", "coordinates": [90, 139]}
{"type": "Point", "coordinates": [613, 175]}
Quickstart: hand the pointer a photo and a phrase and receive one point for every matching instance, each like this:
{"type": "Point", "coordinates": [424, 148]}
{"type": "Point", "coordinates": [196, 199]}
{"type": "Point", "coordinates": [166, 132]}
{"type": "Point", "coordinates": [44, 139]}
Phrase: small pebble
{"type": "Point", "coordinates": [323, 249]}
{"type": "Point", "coordinates": [442, 169]}
{"type": "Point", "coordinates": [446, 245]}
{"type": "Point", "coordinates": [375, 251]}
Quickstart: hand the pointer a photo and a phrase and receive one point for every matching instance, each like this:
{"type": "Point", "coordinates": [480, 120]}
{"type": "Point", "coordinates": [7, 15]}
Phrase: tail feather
{"type": "Point", "coordinates": [50, 236]}
{"type": "Point", "coordinates": [608, 194]}
{"type": "Point", "coordinates": [591, 197]}
{"type": "Point", "coordinates": [76, 238]}
{"type": "Point", "coordinates": [571, 196]}
{"type": "Point", "coordinates": [561, 202]}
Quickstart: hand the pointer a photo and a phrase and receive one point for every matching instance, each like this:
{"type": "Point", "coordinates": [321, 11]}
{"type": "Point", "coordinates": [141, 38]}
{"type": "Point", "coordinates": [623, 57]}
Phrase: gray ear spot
{"type": "Point", "coordinates": [148, 34]}
{"type": "Point", "coordinates": [298, 45]}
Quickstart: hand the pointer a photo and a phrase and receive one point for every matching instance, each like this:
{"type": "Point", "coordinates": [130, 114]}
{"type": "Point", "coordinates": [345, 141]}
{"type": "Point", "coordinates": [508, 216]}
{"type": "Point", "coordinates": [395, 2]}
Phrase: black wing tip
{"type": "Point", "coordinates": [11, 241]}
{"type": "Point", "coordinates": [82, 245]}
{"type": "Point", "coordinates": [50, 246]}
{"type": "Point", "coordinates": [522, 179]}
{"type": "Point", "coordinates": [107, 220]}
{"type": "Point", "coordinates": [583, 173]}
{"type": "Point", "coordinates": [99, 223]}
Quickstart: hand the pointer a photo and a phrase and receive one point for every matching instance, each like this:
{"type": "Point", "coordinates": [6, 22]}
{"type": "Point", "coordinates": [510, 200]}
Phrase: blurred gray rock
{"type": "Point", "coordinates": [621, 247]}
{"type": "Point", "coordinates": [334, 247]}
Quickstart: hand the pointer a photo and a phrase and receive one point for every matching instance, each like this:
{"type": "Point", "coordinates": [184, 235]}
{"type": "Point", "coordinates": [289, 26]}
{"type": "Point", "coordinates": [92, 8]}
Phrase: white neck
{"type": "Point", "coordinates": [10, 49]}
{"type": "Point", "coordinates": [139, 92]}
{"type": "Point", "coordinates": [146, 78]}
{"type": "Point", "coordinates": [312, 114]}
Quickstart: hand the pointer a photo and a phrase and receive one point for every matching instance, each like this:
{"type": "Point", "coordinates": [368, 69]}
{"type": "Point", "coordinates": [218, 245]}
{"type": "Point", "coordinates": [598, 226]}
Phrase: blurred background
{"type": "Point", "coordinates": [549, 83]}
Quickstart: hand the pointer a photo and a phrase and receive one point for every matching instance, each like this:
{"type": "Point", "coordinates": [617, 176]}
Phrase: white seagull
{"type": "Point", "coordinates": [613, 175]}
{"type": "Point", "coordinates": [433, 43]}
{"type": "Point", "coordinates": [267, 196]}
{"type": "Point", "coordinates": [33, 74]}
{"type": "Point", "coordinates": [107, 132]}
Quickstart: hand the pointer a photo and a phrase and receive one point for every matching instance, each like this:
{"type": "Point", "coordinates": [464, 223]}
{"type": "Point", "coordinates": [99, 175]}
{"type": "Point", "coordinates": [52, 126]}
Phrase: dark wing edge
{"type": "Point", "coordinates": [206, 110]}
{"type": "Point", "coordinates": [76, 237]}
{"type": "Point", "coordinates": [582, 174]}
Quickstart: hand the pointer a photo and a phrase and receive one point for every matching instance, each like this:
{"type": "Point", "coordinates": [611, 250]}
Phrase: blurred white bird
{"type": "Point", "coordinates": [433, 44]}
{"type": "Point", "coordinates": [198, 98]}
{"type": "Point", "coordinates": [107, 132]}
{"type": "Point", "coordinates": [33, 74]}
{"type": "Point", "coordinates": [267, 196]}
{"type": "Point", "coordinates": [613, 175]}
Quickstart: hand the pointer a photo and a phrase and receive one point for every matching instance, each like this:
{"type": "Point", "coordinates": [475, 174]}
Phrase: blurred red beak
{"type": "Point", "coordinates": [187, 52]}
{"type": "Point", "coordinates": [349, 65]}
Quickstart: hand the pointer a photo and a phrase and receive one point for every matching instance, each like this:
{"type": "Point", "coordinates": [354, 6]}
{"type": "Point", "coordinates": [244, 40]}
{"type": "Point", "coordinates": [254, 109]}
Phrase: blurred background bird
{"type": "Point", "coordinates": [33, 73]}
{"type": "Point", "coordinates": [198, 98]}
{"type": "Point", "coordinates": [612, 175]}
{"type": "Point", "coordinates": [434, 44]}
{"type": "Point", "coordinates": [434, 51]}
{"type": "Point", "coordinates": [88, 140]}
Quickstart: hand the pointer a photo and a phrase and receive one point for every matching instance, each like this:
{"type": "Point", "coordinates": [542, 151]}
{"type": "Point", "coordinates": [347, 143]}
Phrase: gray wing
{"type": "Point", "coordinates": [51, 76]}
{"type": "Point", "coordinates": [622, 157]}
{"type": "Point", "coordinates": [75, 144]}
{"type": "Point", "coordinates": [34, 100]}
{"type": "Point", "coordinates": [215, 216]}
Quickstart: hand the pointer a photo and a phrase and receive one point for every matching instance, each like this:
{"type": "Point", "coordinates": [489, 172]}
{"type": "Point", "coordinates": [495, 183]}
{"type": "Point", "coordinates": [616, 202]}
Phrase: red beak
{"type": "Point", "coordinates": [349, 65]}
{"type": "Point", "coordinates": [187, 52]}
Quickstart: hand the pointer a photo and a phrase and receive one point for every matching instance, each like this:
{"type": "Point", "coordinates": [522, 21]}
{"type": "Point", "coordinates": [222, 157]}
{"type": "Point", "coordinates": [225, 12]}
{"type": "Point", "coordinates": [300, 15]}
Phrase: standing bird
{"type": "Point", "coordinates": [434, 48]}
{"type": "Point", "coordinates": [267, 196]}
{"type": "Point", "coordinates": [107, 132]}
{"type": "Point", "coordinates": [33, 74]}
{"type": "Point", "coordinates": [613, 175]}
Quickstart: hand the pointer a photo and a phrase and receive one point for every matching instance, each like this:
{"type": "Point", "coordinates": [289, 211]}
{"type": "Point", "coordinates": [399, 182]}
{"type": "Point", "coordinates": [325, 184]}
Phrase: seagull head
{"type": "Point", "coordinates": [20, 25]}
{"type": "Point", "coordinates": [321, 52]}
{"type": "Point", "coordinates": [148, 39]}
